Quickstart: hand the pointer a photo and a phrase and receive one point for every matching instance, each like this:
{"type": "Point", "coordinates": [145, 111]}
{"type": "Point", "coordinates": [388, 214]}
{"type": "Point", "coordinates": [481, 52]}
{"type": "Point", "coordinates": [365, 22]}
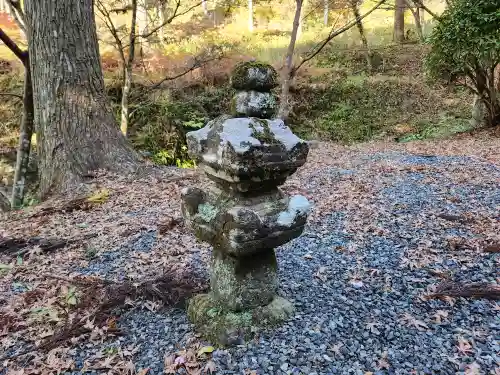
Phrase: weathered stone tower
{"type": "Point", "coordinates": [244, 216]}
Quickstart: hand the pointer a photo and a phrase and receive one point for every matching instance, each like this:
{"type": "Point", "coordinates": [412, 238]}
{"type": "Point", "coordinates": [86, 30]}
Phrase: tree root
{"type": "Point", "coordinates": [475, 290]}
{"type": "Point", "coordinates": [20, 246]}
{"type": "Point", "coordinates": [104, 298]}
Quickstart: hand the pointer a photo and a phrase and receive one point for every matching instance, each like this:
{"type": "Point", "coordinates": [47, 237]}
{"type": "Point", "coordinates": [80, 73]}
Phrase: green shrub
{"type": "Point", "coordinates": [159, 126]}
{"type": "Point", "coordinates": [465, 48]}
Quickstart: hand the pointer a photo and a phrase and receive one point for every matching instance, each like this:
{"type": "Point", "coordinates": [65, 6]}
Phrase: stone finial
{"type": "Point", "coordinates": [254, 82]}
{"type": "Point", "coordinates": [245, 215]}
{"type": "Point", "coordinates": [252, 75]}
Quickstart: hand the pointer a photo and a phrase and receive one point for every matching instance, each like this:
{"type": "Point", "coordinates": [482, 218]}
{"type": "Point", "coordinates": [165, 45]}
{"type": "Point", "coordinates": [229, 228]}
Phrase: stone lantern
{"type": "Point", "coordinates": [244, 215]}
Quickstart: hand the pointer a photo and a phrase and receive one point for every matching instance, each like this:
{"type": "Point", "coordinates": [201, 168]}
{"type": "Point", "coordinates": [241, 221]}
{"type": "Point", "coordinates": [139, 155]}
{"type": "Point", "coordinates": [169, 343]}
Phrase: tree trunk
{"type": "Point", "coordinates": [204, 6]}
{"type": "Point", "coordinates": [399, 21]}
{"type": "Point", "coordinates": [326, 12]}
{"type": "Point", "coordinates": [418, 24]}
{"type": "Point", "coordinates": [76, 130]}
{"type": "Point", "coordinates": [162, 10]}
{"type": "Point", "coordinates": [142, 23]}
{"type": "Point", "coordinates": [362, 35]}
{"type": "Point", "coordinates": [300, 27]}
{"type": "Point", "coordinates": [415, 10]}
{"type": "Point", "coordinates": [127, 78]}
{"type": "Point", "coordinates": [478, 112]}
{"type": "Point", "coordinates": [284, 109]}
{"type": "Point", "coordinates": [250, 15]}
{"type": "Point", "coordinates": [25, 134]}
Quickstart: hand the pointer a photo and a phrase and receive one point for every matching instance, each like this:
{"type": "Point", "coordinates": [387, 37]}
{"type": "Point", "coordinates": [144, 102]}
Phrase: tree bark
{"type": "Point", "coordinates": [142, 23]}
{"type": "Point", "coordinates": [478, 112]}
{"type": "Point", "coordinates": [25, 134]}
{"type": "Point", "coordinates": [127, 72]}
{"type": "Point", "coordinates": [399, 21]}
{"type": "Point", "coordinates": [362, 35]}
{"type": "Point", "coordinates": [284, 109]}
{"type": "Point", "coordinates": [326, 12]}
{"type": "Point", "coordinates": [415, 10]}
{"type": "Point", "coordinates": [250, 15]}
{"type": "Point", "coordinates": [76, 129]}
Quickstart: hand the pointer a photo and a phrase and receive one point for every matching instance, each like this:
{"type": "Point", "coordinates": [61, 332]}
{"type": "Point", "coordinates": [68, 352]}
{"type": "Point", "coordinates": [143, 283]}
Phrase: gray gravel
{"type": "Point", "coordinates": [344, 325]}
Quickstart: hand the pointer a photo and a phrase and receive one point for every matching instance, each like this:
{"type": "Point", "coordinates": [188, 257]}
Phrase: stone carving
{"type": "Point", "coordinates": [245, 215]}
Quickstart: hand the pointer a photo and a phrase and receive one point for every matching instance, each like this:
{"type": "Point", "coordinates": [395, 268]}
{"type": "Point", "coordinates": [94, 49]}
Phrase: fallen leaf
{"type": "Point", "coordinates": [464, 347]}
{"type": "Point", "coordinates": [440, 315]}
{"type": "Point", "coordinates": [100, 196]}
{"type": "Point", "coordinates": [205, 350]}
{"type": "Point", "coordinates": [495, 248]}
{"type": "Point", "coordinates": [473, 369]}
{"type": "Point", "coordinates": [210, 367]}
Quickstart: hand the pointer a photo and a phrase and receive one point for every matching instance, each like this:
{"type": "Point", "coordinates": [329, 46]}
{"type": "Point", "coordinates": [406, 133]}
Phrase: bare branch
{"type": "Point", "coordinates": [196, 64]}
{"type": "Point", "coordinates": [131, 51]}
{"type": "Point", "coordinates": [11, 94]}
{"type": "Point", "coordinates": [112, 29]}
{"type": "Point", "coordinates": [317, 49]}
{"type": "Point", "coordinates": [17, 12]}
{"type": "Point", "coordinates": [170, 19]}
{"type": "Point", "coordinates": [21, 55]}
{"type": "Point", "coordinates": [420, 4]}
{"type": "Point", "coordinates": [122, 10]}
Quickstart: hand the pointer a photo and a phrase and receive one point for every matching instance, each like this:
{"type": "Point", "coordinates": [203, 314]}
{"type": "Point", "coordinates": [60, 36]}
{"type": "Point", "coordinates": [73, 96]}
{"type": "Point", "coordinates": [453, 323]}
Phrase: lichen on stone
{"type": "Point", "coordinates": [254, 104]}
{"type": "Point", "coordinates": [207, 212]}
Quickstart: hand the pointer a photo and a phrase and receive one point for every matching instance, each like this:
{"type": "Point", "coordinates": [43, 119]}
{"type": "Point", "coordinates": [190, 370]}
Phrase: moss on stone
{"type": "Point", "coordinates": [214, 323]}
{"type": "Point", "coordinates": [241, 77]}
{"type": "Point", "coordinates": [265, 135]}
{"type": "Point", "coordinates": [244, 282]}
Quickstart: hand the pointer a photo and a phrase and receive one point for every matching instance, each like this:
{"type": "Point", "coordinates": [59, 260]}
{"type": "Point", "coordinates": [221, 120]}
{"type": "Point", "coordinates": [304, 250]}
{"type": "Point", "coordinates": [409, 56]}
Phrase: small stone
{"type": "Point", "coordinates": [284, 366]}
{"type": "Point", "coordinates": [253, 75]}
{"type": "Point", "coordinates": [254, 104]}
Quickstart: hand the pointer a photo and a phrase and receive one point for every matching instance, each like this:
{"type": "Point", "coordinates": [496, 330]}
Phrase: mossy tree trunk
{"type": "Point", "coordinates": [26, 128]}
{"type": "Point", "coordinates": [25, 135]}
{"type": "Point", "coordinates": [127, 72]}
{"type": "Point", "coordinates": [76, 129]}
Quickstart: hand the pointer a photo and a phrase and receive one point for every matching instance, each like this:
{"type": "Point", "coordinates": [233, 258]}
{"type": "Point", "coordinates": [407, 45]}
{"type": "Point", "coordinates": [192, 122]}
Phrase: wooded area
{"type": "Point", "coordinates": [247, 186]}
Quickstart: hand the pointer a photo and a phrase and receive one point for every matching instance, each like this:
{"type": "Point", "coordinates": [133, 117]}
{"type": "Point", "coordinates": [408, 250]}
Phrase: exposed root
{"type": "Point", "coordinates": [494, 248]}
{"type": "Point", "coordinates": [21, 246]}
{"type": "Point", "coordinates": [475, 290]}
{"type": "Point", "coordinates": [104, 298]}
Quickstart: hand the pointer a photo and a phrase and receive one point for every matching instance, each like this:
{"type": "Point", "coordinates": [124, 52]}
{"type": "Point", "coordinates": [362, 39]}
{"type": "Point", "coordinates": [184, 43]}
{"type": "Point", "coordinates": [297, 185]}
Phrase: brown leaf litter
{"type": "Point", "coordinates": [41, 319]}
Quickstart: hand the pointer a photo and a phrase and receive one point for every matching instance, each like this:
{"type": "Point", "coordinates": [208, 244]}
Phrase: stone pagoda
{"type": "Point", "coordinates": [244, 215]}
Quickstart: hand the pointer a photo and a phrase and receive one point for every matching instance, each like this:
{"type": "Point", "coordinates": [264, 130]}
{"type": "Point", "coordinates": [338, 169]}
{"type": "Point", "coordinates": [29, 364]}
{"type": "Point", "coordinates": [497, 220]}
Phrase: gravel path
{"type": "Point", "coordinates": [357, 277]}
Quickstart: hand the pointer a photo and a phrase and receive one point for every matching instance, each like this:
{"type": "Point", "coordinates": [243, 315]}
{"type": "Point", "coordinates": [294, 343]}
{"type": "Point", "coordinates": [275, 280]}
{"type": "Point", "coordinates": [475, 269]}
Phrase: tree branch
{"type": "Point", "coordinates": [420, 4]}
{"type": "Point", "coordinates": [317, 49]}
{"type": "Point", "coordinates": [196, 64]}
{"type": "Point", "coordinates": [17, 12]}
{"type": "Point", "coordinates": [21, 55]}
{"type": "Point", "coordinates": [131, 51]}
{"type": "Point", "coordinates": [11, 94]}
{"type": "Point", "coordinates": [170, 19]}
{"type": "Point", "coordinates": [112, 29]}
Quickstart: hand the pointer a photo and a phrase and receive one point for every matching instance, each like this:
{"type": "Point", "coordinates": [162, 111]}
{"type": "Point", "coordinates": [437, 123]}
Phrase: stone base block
{"type": "Point", "coordinates": [242, 283]}
{"type": "Point", "coordinates": [220, 326]}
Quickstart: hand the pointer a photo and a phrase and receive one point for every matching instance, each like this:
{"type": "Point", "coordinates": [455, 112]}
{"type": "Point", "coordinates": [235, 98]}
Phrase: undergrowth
{"type": "Point", "coordinates": [337, 100]}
